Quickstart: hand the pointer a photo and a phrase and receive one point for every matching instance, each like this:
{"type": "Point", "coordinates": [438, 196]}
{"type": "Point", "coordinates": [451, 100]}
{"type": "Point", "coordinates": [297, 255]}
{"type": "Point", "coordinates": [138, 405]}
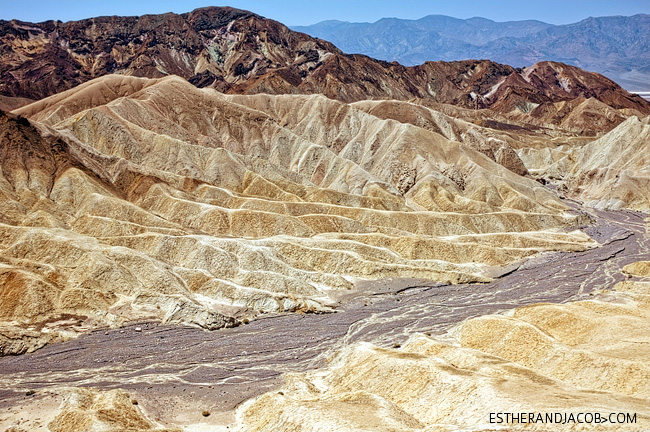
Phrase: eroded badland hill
{"type": "Point", "coordinates": [204, 171]}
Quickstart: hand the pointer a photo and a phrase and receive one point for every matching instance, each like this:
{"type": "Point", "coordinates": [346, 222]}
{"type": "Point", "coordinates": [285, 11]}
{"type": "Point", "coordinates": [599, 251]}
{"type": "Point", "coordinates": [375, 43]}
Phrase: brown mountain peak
{"type": "Point", "coordinates": [236, 51]}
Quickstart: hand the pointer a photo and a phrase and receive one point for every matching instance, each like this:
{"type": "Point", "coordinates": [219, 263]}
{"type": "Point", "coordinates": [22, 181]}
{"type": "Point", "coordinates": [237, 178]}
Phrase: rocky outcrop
{"type": "Point", "coordinates": [559, 359]}
{"type": "Point", "coordinates": [128, 199]}
{"type": "Point", "coordinates": [609, 172]}
{"type": "Point", "coordinates": [487, 141]}
{"type": "Point", "coordinates": [612, 172]}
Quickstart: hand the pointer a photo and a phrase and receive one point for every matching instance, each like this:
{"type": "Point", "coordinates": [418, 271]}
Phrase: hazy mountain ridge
{"type": "Point", "coordinates": [412, 42]}
{"type": "Point", "coordinates": [616, 46]}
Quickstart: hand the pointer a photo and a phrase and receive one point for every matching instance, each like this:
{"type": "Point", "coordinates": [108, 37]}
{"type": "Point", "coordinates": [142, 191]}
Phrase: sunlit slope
{"type": "Point", "coordinates": [609, 172]}
{"type": "Point", "coordinates": [154, 199]}
{"type": "Point", "coordinates": [614, 171]}
{"type": "Point", "coordinates": [557, 359]}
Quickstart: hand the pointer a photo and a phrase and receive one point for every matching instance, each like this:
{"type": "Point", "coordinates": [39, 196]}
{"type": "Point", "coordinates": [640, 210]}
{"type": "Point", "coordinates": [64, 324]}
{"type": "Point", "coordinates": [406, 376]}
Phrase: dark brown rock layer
{"type": "Point", "coordinates": [239, 52]}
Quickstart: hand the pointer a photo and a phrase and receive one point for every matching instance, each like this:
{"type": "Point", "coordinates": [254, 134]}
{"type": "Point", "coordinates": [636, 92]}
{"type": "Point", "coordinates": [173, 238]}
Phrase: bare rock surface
{"type": "Point", "coordinates": [608, 172]}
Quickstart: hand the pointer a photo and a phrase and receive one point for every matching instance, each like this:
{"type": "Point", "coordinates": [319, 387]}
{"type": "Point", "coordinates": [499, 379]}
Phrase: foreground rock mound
{"type": "Point", "coordinates": [129, 199]}
{"type": "Point", "coordinates": [581, 357]}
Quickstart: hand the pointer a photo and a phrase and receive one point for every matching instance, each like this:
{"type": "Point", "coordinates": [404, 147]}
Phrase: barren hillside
{"type": "Point", "coordinates": [165, 201]}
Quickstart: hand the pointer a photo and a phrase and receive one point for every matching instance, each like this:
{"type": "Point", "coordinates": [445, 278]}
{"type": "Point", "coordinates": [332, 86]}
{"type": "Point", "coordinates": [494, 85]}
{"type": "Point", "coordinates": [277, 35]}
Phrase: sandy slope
{"type": "Point", "coordinates": [131, 199]}
{"type": "Point", "coordinates": [586, 356]}
{"type": "Point", "coordinates": [609, 172]}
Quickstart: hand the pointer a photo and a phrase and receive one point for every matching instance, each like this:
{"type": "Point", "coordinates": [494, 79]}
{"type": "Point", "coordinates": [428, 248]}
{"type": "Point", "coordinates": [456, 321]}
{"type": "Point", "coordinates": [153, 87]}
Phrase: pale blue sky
{"type": "Point", "coordinates": [304, 12]}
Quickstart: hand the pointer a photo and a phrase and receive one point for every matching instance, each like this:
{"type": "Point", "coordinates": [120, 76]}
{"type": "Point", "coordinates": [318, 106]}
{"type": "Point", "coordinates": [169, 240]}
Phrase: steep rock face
{"type": "Point", "coordinates": [487, 141]}
{"type": "Point", "coordinates": [128, 198]}
{"type": "Point", "coordinates": [46, 58]}
{"type": "Point", "coordinates": [612, 172]}
{"type": "Point", "coordinates": [239, 52]}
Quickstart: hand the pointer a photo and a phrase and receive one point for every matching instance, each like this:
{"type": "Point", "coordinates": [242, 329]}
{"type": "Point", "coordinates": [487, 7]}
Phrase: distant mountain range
{"type": "Point", "coordinates": [616, 46]}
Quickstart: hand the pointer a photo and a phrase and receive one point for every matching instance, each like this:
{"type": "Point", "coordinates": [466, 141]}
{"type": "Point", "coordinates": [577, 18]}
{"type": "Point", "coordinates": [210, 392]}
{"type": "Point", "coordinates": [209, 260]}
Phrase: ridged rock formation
{"type": "Point", "coordinates": [490, 142]}
{"type": "Point", "coordinates": [610, 172]}
{"type": "Point", "coordinates": [236, 51]}
{"type": "Point", "coordinates": [87, 410]}
{"type": "Point", "coordinates": [581, 357]}
{"type": "Point", "coordinates": [128, 198]}
{"type": "Point", "coordinates": [254, 170]}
